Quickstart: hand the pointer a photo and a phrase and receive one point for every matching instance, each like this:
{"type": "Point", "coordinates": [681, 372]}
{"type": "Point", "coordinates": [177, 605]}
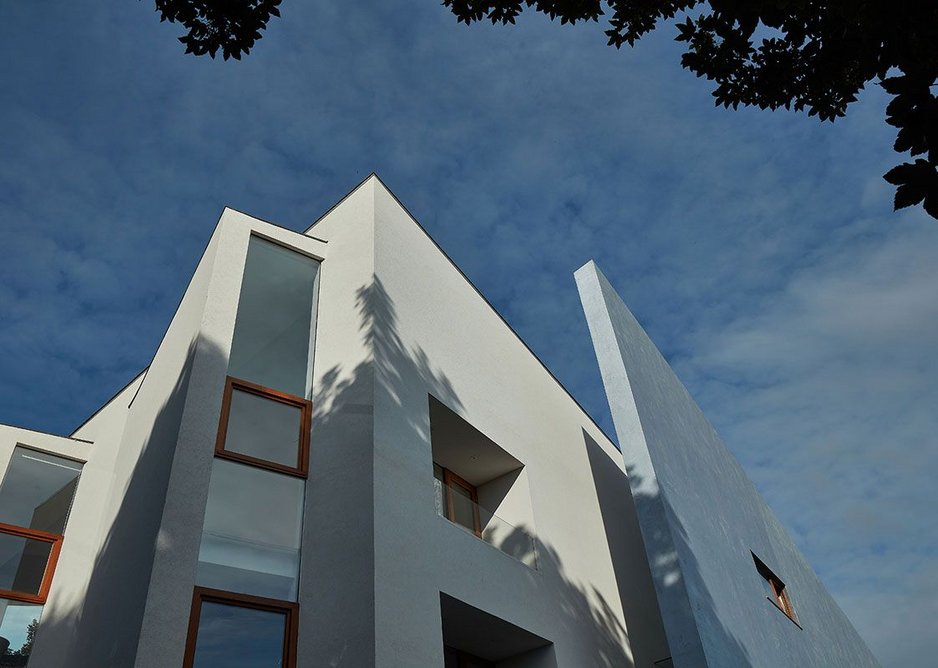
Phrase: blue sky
{"type": "Point", "coordinates": [759, 250]}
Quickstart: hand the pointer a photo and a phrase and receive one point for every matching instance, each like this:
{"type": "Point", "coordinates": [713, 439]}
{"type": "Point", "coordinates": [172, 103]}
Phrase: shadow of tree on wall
{"type": "Point", "coordinates": [624, 498]}
{"type": "Point", "coordinates": [403, 371]}
{"type": "Point", "coordinates": [103, 628]}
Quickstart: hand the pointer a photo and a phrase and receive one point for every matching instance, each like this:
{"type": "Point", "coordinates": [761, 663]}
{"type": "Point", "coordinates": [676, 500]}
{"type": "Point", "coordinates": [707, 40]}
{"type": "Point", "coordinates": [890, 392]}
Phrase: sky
{"type": "Point", "coordinates": [758, 249]}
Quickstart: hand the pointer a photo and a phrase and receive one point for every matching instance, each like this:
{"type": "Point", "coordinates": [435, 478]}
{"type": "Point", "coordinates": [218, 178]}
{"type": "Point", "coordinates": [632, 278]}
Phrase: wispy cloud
{"type": "Point", "coordinates": [758, 249]}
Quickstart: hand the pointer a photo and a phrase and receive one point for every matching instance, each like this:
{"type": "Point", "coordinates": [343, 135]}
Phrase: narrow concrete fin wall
{"type": "Point", "coordinates": [709, 513]}
{"type": "Point", "coordinates": [675, 605]}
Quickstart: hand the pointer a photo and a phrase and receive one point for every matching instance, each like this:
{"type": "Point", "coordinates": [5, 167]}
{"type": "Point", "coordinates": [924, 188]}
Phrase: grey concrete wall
{"type": "Point", "coordinates": [701, 516]}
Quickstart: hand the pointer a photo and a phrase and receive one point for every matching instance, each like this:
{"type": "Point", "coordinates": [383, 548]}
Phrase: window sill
{"type": "Point", "coordinates": [787, 616]}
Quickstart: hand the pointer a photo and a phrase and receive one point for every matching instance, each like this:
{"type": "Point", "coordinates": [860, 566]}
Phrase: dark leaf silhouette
{"type": "Point", "coordinates": [229, 26]}
{"type": "Point", "coordinates": [801, 55]}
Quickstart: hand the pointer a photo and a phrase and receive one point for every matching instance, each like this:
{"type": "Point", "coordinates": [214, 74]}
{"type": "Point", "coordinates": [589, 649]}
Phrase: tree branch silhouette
{"type": "Point", "coordinates": [806, 55]}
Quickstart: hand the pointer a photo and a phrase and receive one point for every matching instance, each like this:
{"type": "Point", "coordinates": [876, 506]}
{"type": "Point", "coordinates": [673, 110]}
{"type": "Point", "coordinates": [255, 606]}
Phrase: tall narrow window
{"type": "Point", "coordinates": [273, 337]}
{"type": "Point", "coordinates": [244, 609]}
{"type": "Point", "coordinates": [35, 500]}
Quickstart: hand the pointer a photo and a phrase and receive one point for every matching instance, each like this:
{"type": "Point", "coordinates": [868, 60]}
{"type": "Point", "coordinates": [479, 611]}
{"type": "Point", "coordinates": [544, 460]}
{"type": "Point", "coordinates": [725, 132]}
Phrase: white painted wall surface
{"type": "Point", "coordinates": [396, 322]}
{"type": "Point", "coordinates": [701, 517]}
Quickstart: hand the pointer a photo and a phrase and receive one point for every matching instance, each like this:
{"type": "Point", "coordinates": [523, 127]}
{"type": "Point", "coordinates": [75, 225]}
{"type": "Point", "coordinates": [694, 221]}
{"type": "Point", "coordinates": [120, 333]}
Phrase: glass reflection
{"type": "Point", "coordinates": [234, 637]}
{"type": "Point", "coordinates": [263, 428]}
{"type": "Point", "coordinates": [22, 563]}
{"type": "Point", "coordinates": [274, 325]}
{"type": "Point", "coordinates": [37, 490]}
{"type": "Point", "coordinates": [251, 534]}
{"type": "Point", "coordinates": [463, 507]}
{"type": "Point", "coordinates": [18, 624]}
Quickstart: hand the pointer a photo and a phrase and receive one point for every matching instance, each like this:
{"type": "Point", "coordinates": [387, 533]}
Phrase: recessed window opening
{"type": "Point", "coordinates": [775, 589]}
{"type": "Point", "coordinates": [479, 486]}
{"type": "Point", "coordinates": [474, 638]}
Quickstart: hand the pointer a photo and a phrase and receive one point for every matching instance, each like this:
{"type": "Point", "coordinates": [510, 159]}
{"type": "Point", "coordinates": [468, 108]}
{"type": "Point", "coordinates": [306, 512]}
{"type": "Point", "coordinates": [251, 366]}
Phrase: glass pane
{"type": "Point", "coordinates": [273, 329]}
{"type": "Point", "coordinates": [234, 637]}
{"type": "Point", "coordinates": [463, 511]}
{"type": "Point", "coordinates": [22, 563]}
{"type": "Point", "coordinates": [438, 489]}
{"type": "Point", "coordinates": [37, 490]}
{"type": "Point", "coordinates": [264, 428]}
{"type": "Point", "coordinates": [18, 624]}
{"type": "Point", "coordinates": [251, 535]}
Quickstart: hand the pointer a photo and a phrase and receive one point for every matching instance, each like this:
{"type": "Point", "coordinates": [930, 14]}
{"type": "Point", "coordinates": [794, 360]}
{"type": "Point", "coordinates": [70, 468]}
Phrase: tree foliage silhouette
{"type": "Point", "coordinates": [806, 55]}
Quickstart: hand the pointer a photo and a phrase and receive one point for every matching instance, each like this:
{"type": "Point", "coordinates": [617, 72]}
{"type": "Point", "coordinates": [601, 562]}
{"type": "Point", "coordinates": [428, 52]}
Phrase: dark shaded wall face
{"type": "Point", "coordinates": [474, 638]}
{"type": "Point", "coordinates": [627, 548]}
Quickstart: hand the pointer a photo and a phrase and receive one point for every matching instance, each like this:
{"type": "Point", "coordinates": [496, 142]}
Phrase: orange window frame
{"type": "Point", "coordinates": [450, 480]}
{"type": "Point", "coordinates": [780, 597]}
{"type": "Point", "coordinates": [301, 470]}
{"type": "Point", "coordinates": [290, 610]}
{"type": "Point", "coordinates": [46, 584]}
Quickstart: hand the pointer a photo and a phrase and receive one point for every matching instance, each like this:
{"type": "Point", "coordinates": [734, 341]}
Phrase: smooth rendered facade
{"type": "Point", "coordinates": [340, 455]}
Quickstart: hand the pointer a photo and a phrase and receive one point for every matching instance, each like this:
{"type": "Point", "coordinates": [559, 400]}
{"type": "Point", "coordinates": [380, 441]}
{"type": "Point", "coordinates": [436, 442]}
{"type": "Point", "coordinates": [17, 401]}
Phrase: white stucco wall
{"type": "Point", "coordinates": [701, 517]}
{"type": "Point", "coordinates": [396, 323]}
{"type": "Point", "coordinates": [437, 335]}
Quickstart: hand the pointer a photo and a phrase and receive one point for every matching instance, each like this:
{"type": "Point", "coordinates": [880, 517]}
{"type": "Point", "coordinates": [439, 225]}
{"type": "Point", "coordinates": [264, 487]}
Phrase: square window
{"type": "Point", "coordinates": [264, 428]}
{"type": "Point", "coordinates": [238, 631]}
{"type": "Point", "coordinates": [27, 561]}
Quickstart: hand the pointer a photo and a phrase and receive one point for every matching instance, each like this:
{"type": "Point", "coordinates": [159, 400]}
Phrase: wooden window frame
{"type": "Point", "coordinates": [46, 584]}
{"type": "Point", "coordinates": [780, 594]}
{"type": "Point", "coordinates": [450, 479]}
{"type": "Point", "coordinates": [289, 609]}
{"type": "Point", "coordinates": [301, 470]}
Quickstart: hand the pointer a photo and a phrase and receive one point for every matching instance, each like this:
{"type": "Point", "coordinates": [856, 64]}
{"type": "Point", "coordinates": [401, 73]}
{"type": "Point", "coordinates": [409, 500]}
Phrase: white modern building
{"type": "Point", "coordinates": [341, 456]}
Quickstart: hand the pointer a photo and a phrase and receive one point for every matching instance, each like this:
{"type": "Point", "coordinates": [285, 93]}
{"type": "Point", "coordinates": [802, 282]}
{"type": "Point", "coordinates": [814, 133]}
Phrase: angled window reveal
{"type": "Point", "coordinates": [35, 499]}
{"type": "Point", "coordinates": [239, 631]}
{"type": "Point", "coordinates": [775, 589]}
{"type": "Point", "coordinates": [265, 428]}
{"type": "Point", "coordinates": [275, 323]}
{"type": "Point", "coordinates": [37, 490]}
{"type": "Point", "coordinates": [479, 486]}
